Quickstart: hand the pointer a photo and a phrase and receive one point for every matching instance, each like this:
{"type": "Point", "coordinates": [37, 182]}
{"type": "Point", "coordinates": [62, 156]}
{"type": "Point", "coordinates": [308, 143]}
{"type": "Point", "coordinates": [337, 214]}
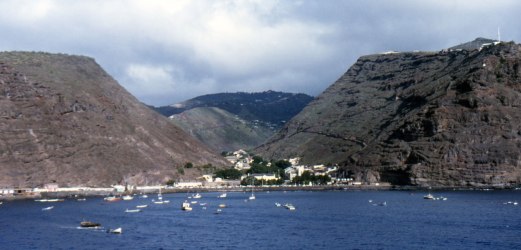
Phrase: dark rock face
{"type": "Point", "coordinates": [64, 120]}
{"type": "Point", "coordinates": [451, 118]}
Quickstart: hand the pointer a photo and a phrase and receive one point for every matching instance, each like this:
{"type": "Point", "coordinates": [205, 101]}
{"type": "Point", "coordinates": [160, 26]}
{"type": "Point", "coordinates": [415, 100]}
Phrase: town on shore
{"type": "Point", "coordinates": [248, 172]}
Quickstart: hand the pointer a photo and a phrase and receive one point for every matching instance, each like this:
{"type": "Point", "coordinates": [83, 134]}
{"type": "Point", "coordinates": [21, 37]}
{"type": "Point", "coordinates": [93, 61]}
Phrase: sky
{"type": "Point", "coordinates": [167, 51]}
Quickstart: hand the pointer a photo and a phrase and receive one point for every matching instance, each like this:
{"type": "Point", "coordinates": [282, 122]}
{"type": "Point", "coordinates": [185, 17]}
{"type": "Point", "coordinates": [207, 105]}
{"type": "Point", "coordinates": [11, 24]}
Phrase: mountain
{"type": "Point", "coordinates": [431, 119]}
{"type": "Point", "coordinates": [270, 107]}
{"type": "Point", "coordinates": [64, 120]}
{"type": "Point", "coordinates": [221, 130]}
{"type": "Point", "coordinates": [231, 121]}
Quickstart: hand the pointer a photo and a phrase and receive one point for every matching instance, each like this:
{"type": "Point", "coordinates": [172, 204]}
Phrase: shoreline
{"type": "Point", "coordinates": [166, 190]}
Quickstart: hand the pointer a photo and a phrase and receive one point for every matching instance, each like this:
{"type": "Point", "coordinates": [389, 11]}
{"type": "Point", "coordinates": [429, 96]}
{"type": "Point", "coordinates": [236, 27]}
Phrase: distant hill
{"type": "Point", "coordinates": [231, 121]}
{"type": "Point", "coordinates": [64, 120]}
{"type": "Point", "coordinates": [271, 107]}
{"type": "Point", "coordinates": [221, 130]}
{"type": "Point", "coordinates": [432, 119]}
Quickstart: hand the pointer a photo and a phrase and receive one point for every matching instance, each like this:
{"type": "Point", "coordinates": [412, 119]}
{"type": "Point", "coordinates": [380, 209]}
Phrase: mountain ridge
{"type": "Point", "coordinates": [66, 121]}
{"type": "Point", "coordinates": [429, 119]}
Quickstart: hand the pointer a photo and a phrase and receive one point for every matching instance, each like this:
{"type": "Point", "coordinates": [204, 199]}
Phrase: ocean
{"type": "Point", "coordinates": [322, 220]}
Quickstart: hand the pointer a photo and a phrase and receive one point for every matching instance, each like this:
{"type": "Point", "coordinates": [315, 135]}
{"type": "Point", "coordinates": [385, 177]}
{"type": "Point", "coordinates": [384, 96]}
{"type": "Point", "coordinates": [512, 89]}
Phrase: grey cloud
{"type": "Point", "coordinates": [164, 52]}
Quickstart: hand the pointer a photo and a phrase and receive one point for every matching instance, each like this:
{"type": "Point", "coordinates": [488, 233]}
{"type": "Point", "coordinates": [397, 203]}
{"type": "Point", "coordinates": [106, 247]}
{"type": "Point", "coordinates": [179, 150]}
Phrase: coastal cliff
{"type": "Point", "coordinates": [64, 120]}
{"type": "Point", "coordinates": [429, 119]}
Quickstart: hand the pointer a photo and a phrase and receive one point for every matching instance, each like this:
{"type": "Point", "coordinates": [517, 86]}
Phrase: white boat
{"type": "Point", "coordinates": [47, 208]}
{"type": "Point", "coordinates": [223, 195]}
{"type": "Point", "coordinates": [118, 230]}
{"type": "Point", "coordinates": [252, 196]}
{"type": "Point", "coordinates": [81, 199]}
{"type": "Point", "coordinates": [112, 198]}
{"type": "Point", "coordinates": [186, 206]}
{"type": "Point", "coordinates": [144, 196]}
{"type": "Point", "coordinates": [142, 206]}
{"type": "Point", "coordinates": [197, 196]}
{"type": "Point", "coordinates": [428, 197]}
{"type": "Point", "coordinates": [193, 202]}
{"type": "Point", "coordinates": [222, 205]}
{"type": "Point", "coordinates": [49, 200]}
{"type": "Point", "coordinates": [289, 206]}
{"type": "Point", "coordinates": [132, 210]}
{"type": "Point", "coordinates": [128, 197]}
{"type": "Point", "coordinates": [277, 204]}
{"type": "Point", "coordinates": [158, 202]}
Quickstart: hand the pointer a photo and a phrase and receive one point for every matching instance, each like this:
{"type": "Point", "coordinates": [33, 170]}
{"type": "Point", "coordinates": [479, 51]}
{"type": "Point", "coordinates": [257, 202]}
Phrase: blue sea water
{"type": "Point", "coordinates": [322, 220]}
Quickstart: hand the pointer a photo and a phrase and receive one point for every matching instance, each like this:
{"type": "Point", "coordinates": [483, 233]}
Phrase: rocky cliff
{"type": "Point", "coordinates": [64, 120]}
{"type": "Point", "coordinates": [448, 118]}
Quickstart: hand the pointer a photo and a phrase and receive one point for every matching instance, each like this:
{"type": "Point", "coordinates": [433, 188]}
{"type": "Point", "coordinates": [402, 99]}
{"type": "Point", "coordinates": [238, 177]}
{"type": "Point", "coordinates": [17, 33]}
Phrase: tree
{"type": "Point", "coordinates": [189, 165]}
{"type": "Point", "coordinates": [282, 164]}
{"type": "Point", "coordinates": [229, 174]}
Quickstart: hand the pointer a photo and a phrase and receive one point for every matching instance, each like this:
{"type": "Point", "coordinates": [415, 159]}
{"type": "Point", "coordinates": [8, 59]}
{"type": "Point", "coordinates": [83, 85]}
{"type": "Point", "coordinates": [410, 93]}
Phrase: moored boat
{"type": "Point", "coordinates": [112, 198]}
{"type": "Point", "coordinates": [128, 197]}
{"type": "Point", "coordinates": [132, 210]}
{"type": "Point", "coordinates": [289, 206]}
{"type": "Point", "coordinates": [186, 206]}
{"type": "Point", "coordinates": [118, 230]}
{"type": "Point", "coordinates": [429, 197]}
{"type": "Point", "coordinates": [89, 224]}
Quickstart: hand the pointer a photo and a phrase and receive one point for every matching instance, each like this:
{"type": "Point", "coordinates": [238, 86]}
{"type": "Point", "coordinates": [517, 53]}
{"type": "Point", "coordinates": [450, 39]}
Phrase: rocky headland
{"type": "Point", "coordinates": [428, 119]}
{"type": "Point", "coordinates": [64, 120]}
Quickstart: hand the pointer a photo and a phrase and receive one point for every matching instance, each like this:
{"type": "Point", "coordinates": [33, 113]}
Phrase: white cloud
{"type": "Point", "coordinates": [166, 51]}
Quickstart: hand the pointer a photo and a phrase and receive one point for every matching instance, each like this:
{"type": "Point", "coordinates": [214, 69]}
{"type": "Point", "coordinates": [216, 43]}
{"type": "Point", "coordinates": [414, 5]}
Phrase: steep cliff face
{"type": "Point", "coordinates": [450, 118]}
{"type": "Point", "coordinates": [65, 120]}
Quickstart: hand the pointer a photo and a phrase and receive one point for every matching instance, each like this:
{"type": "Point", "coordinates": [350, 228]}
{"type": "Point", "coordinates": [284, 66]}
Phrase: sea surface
{"type": "Point", "coordinates": [321, 220]}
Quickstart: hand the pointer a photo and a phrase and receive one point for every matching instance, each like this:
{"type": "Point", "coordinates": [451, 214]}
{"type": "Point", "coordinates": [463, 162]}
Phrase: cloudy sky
{"type": "Point", "coordinates": [165, 52]}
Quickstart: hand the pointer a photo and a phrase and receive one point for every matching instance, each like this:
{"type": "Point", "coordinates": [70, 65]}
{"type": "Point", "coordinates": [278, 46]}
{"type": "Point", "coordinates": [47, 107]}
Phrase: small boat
{"type": "Point", "coordinates": [197, 196]}
{"type": "Point", "coordinates": [218, 211]}
{"type": "Point", "coordinates": [132, 210]}
{"type": "Point", "coordinates": [47, 208]}
{"type": "Point", "coordinates": [223, 195]}
{"type": "Point", "coordinates": [142, 206]}
{"type": "Point", "coordinates": [193, 202]}
{"type": "Point", "coordinates": [202, 204]}
{"type": "Point", "coordinates": [118, 230]}
{"type": "Point", "coordinates": [289, 206]}
{"type": "Point", "coordinates": [128, 197]}
{"type": "Point", "coordinates": [428, 197]}
{"type": "Point", "coordinates": [89, 224]}
{"type": "Point", "coordinates": [81, 199]}
{"type": "Point", "coordinates": [144, 196]}
{"type": "Point", "coordinates": [49, 200]}
{"type": "Point", "coordinates": [186, 206]}
{"type": "Point", "coordinates": [222, 205]}
{"type": "Point", "coordinates": [112, 198]}
{"type": "Point", "coordinates": [166, 201]}
{"type": "Point", "coordinates": [158, 202]}
{"type": "Point", "coordinates": [277, 204]}
{"type": "Point", "coordinates": [252, 196]}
